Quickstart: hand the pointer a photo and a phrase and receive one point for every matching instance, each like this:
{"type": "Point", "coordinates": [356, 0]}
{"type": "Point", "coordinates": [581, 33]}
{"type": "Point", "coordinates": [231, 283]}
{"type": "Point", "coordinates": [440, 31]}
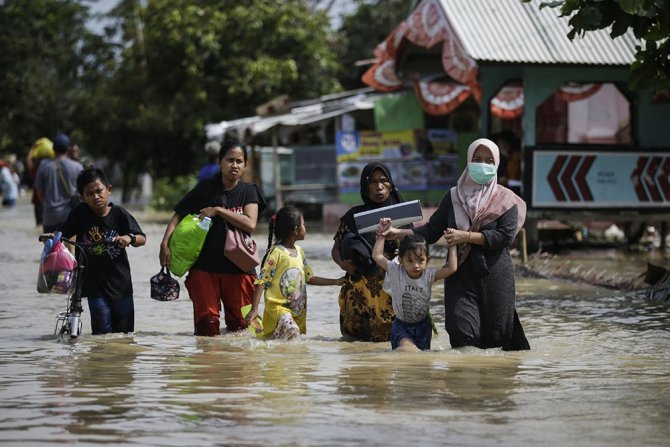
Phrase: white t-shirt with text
{"type": "Point", "coordinates": [410, 297]}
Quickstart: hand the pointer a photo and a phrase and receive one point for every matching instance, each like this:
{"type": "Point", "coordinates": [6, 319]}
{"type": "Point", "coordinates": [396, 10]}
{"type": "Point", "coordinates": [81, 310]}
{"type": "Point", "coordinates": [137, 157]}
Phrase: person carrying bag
{"type": "Point", "coordinates": [214, 279]}
{"type": "Point", "coordinates": [75, 198]}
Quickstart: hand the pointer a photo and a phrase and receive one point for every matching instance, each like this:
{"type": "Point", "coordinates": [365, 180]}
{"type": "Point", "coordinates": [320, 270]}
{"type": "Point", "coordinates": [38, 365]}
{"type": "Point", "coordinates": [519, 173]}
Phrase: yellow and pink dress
{"type": "Point", "coordinates": [284, 276]}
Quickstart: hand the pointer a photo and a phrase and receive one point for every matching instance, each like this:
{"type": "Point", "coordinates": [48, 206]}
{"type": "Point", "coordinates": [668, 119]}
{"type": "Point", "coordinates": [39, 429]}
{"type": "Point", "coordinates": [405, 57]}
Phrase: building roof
{"type": "Point", "coordinates": [517, 32]}
{"type": "Point", "coordinates": [443, 43]}
{"type": "Point", "coordinates": [301, 113]}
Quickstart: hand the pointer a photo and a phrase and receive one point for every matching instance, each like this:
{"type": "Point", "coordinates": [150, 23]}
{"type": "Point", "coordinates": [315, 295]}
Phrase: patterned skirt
{"type": "Point", "coordinates": [366, 311]}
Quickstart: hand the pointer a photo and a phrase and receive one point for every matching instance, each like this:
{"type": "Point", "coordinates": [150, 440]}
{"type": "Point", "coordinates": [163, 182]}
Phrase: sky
{"type": "Point", "coordinates": [102, 5]}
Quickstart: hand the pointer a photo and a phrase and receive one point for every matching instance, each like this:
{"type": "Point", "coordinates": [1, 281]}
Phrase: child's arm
{"type": "Point", "coordinates": [378, 249]}
{"type": "Point", "coordinates": [127, 240]}
{"type": "Point", "coordinates": [451, 265]}
{"type": "Point", "coordinates": [320, 281]}
{"type": "Point", "coordinates": [253, 312]}
{"type": "Point", "coordinates": [140, 240]}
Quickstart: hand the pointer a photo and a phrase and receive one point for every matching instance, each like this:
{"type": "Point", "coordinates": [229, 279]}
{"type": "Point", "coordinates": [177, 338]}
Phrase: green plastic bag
{"type": "Point", "coordinates": [185, 243]}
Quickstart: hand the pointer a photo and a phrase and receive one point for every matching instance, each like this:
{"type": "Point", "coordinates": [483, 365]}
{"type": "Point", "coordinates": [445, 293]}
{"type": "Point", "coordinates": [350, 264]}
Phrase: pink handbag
{"type": "Point", "coordinates": [241, 249]}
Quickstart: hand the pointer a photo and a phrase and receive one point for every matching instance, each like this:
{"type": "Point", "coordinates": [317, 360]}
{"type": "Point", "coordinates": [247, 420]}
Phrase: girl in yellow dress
{"type": "Point", "coordinates": [284, 276]}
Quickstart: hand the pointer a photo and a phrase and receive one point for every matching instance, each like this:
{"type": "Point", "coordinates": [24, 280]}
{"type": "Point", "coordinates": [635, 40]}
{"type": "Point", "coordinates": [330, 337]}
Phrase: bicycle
{"type": "Point", "coordinates": [68, 326]}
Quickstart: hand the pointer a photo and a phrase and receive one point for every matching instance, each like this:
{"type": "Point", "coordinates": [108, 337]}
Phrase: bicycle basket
{"type": "Point", "coordinates": [163, 286]}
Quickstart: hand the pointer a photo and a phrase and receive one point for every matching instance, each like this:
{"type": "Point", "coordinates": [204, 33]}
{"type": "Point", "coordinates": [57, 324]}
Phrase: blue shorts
{"type": "Point", "coordinates": [109, 315]}
{"type": "Point", "coordinates": [420, 333]}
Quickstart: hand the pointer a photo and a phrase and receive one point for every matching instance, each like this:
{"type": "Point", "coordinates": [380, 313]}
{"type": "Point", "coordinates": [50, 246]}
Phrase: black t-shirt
{"type": "Point", "coordinates": [107, 268]}
{"type": "Point", "coordinates": [210, 192]}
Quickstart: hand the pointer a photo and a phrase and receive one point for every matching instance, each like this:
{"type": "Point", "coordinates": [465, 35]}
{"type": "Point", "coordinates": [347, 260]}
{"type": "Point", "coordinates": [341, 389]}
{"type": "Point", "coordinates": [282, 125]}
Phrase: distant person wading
{"type": "Point", "coordinates": [56, 183]}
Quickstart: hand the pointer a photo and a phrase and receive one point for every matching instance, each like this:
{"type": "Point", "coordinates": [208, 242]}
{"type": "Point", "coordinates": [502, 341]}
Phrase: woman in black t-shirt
{"type": "Point", "coordinates": [214, 279]}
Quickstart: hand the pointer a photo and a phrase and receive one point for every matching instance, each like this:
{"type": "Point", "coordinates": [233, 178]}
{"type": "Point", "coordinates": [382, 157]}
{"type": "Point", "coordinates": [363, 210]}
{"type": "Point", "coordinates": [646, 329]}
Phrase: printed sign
{"type": "Point", "coordinates": [443, 141]}
{"type": "Point", "coordinates": [592, 179]}
{"type": "Point", "coordinates": [370, 145]}
{"type": "Point", "coordinates": [413, 168]}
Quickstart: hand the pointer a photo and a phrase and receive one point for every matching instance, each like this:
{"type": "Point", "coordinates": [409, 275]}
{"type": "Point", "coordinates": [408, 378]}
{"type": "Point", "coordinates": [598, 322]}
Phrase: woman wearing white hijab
{"type": "Point", "coordinates": [482, 218]}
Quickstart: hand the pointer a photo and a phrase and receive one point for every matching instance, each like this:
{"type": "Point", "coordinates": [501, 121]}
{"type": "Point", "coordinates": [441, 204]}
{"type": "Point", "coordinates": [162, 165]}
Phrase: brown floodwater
{"type": "Point", "coordinates": [598, 373]}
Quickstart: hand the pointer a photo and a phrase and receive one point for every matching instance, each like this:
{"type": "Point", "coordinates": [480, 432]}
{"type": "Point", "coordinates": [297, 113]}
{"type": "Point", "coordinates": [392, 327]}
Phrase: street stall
{"type": "Point", "coordinates": [311, 152]}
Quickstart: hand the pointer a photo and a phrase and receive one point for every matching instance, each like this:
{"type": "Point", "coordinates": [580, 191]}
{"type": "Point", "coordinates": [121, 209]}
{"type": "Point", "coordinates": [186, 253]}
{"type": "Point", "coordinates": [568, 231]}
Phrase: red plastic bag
{"type": "Point", "coordinates": [57, 270]}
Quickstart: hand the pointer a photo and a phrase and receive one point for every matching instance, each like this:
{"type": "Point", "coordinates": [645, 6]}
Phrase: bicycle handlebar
{"type": "Point", "coordinates": [45, 237]}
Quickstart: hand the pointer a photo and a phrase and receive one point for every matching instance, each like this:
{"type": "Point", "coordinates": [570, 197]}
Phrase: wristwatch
{"type": "Point", "coordinates": [133, 238]}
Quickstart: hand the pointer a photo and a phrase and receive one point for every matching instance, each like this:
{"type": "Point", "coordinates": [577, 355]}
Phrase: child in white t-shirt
{"type": "Point", "coordinates": [409, 281]}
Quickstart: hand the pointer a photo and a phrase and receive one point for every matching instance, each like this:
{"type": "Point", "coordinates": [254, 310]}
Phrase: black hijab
{"type": "Point", "coordinates": [366, 175]}
{"type": "Point", "coordinates": [358, 247]}
{"type": "Point", "coordinates": [368, 204]}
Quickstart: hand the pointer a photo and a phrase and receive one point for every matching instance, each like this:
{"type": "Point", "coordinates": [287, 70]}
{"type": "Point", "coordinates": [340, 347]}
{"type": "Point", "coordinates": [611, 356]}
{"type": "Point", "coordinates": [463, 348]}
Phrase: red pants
{"type": "Point", "coordinates": [208, 290]}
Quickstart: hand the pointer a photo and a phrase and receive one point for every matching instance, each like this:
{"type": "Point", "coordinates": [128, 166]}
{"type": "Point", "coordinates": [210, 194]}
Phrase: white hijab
{"type": "Point", "coordinates": [476, 205]}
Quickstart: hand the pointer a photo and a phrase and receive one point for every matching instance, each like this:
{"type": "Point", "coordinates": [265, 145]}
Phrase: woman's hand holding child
{"type": "Point", "coordinates": [458, 237]}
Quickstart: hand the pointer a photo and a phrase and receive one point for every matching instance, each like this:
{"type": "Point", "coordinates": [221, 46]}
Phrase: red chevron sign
{"type": "Point", "coordinates": [650, 179]}
{"type": "Point", "coordinates": [567, 178]}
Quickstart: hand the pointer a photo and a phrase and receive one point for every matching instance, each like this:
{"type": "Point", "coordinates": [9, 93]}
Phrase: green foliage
{"type": "Point", "coordinates": [186, 63]}
{"type": "Point", "coordinates": [650, 22]}
{"type": "Point", "coordinates": [49, 59]}
{"type": "Point", "coordinates": [141, 94]}
{"type": "Point", "coordinates": [168, 191]}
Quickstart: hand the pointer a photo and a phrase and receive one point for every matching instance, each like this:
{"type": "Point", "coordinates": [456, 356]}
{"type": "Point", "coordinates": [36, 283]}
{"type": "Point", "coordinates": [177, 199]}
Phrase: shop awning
{"type": "Point", "coordinates": [302, 114]}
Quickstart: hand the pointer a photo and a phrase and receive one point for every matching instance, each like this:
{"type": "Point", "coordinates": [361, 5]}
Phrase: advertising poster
{"type": "Point", "coordinates": [443, 172]}
{"type": "Point", "coordinates": [349, 175]}
{"type": "Point", "coordinates": [370, 145]}
{"type": "Point", "coordinates": [443, 141]}
{"type": "Point", "coordinates": [370, 148]}
{"type": "Point", "coordinates": [409, 175]}
{"type": "Point", "coordinates": [400, 144]}
{"type": "Point", "coordinates": [348, 145]}
{"type": "Point", "coordinates": [412, 170]}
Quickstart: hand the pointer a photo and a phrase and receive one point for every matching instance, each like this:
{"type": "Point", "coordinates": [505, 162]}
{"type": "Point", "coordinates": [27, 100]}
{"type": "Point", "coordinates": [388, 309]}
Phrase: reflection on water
{"type": "Point", "coordinates": [598, 374]}
{"type": "Point", "coordinates": [419, 381]}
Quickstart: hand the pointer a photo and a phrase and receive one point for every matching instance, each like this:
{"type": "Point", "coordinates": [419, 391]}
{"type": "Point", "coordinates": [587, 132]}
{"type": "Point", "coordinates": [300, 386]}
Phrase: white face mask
{"type": "Point", "coordinates": [481, 173]}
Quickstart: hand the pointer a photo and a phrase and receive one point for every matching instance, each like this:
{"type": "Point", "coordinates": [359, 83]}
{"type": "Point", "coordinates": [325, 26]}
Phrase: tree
{"type": "Point", "coordinates": [650, 22]}
{"type": "Point", "coordinates": [48, 56]}
{"type": "Point", "coordinates": [362, 31]}
{"type": "Point", "coordinates": [141, 94]}
{"type": "Point", "coordinates": [184, 64]}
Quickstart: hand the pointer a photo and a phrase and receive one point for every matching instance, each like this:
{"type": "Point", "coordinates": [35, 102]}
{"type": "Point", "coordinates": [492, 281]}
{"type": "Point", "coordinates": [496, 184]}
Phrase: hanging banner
{"type": "Point", "coordinates": [398, 112]}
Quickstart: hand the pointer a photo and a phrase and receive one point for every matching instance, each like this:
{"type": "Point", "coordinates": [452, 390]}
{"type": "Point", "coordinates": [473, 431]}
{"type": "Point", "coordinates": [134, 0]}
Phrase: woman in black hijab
{"type": "Point", "coordinates": [365, 309]}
